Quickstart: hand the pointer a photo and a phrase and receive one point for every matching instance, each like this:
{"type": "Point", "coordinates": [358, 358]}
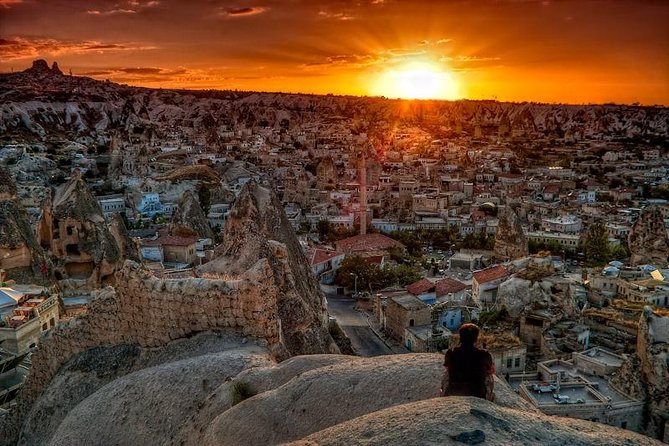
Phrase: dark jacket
{"type": "Point", "coordinates": [468, 368]}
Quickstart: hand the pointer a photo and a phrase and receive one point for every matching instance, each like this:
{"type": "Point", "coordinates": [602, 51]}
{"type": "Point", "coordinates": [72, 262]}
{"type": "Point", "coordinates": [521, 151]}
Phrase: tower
{"type": "Point", "coordinates": [363, 192]}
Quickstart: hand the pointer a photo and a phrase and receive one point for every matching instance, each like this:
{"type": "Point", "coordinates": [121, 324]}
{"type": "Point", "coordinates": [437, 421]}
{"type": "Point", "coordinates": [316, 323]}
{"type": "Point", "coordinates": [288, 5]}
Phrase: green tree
{"type": "Point", "coordinates": [357, 271]}
{"type": "Point", "coordinates": [403, 275]}
{"type": "Point", "coordinates": [323, 228]}
{"type": "Point", "coordinates": [204, 197]}
{"type": "Point", "coordinates": [597, 249]}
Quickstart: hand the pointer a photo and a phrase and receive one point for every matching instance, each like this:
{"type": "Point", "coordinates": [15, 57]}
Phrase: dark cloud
{"type": "Point", "coordinates": [145, 70]}
{"type": "Point", "coordinates": [242, 12]}
{"type": "Point", "coordinates": [16, 48]}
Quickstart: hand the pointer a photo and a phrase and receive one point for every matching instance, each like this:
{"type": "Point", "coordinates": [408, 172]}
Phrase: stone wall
{"type": "Point", "coordinates": [150, 312]}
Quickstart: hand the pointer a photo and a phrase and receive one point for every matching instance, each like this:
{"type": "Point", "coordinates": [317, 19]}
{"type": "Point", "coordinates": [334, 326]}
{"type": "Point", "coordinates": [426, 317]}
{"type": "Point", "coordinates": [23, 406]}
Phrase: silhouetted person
{"type": "Point", "coordinates": [468, 370]}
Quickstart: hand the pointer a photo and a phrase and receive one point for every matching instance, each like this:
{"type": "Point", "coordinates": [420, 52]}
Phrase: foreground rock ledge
{"type": "Point", "coordinates": [465, 420]}
{"type": "Point", "coordinates": [240, 396]}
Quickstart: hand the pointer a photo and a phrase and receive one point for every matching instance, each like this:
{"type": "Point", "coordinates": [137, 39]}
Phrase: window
{"type": "Point", "coordinates": [52, 322]}
{"type": "Point", "coordinates": [517, 362]}
{"type": "Point", "coordinates": [70, 230]}
{"type": "Point", "coordinates": [411, 322]}
{"type": "Point", "coordinates": [508, 363]}
{"type": "Point", "coordinates": [44, 327]}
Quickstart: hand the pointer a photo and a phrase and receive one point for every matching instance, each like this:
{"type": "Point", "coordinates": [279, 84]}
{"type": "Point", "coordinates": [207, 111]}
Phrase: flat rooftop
{"type": "Point", "coordinates": [603, 356]}
{"type": "Point", "coordinates": [575, 392]}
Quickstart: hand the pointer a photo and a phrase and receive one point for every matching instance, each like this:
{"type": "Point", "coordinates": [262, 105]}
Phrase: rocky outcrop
{"type": "Point", "coordinates": [510, 240]}
{"type": "Point", "coordinates": [534, 288]}
{"type": "Point", "coordinates": [189, 215]}
{"type": "Point", "coordinates": [258, 232]}
{"type": "Point", "coordinates": [645, 374]}
{"type": "Point", "coordinates": [41, 68]}
{"type": "Point", "coordinates": [516, 294]}
{"type": "Point", "coordinates": [215, 389]}
{"type": "Point", "coordinates": [125, 243]}
{"type": "Point", "coordinates": [647, 240]}
{"type": "Point", "coordinates": [18, 245]}
{"type": "Point", "coordinates": [461, 420]}
{"type": "Point", "coordinates": [72, 228]}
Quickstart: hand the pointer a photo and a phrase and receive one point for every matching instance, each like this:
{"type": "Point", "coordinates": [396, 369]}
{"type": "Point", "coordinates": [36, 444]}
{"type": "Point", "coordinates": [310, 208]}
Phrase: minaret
{"type": "Point", "coordinates": [363, 193]}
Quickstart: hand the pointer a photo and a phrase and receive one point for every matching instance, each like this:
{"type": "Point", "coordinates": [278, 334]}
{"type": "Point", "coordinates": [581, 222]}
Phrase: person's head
{"type": "Point", "coordinates": [469, 334]}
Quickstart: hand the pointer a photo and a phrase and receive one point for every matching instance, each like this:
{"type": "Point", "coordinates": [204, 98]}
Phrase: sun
{"type": "Point", "coordinates": [416, 81]}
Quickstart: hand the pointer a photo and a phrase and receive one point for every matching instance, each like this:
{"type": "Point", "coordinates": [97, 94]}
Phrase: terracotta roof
{"type": "Point", "coordinates": [448, 285]}
{"type": "Point", "coordinates": [422, 286]}
{"type": "Point", "coordinates": [366, 242]}
{"type": "Point", "coordinates": [489, 274]}
{"type": "Point", "coordinates": [170, 240]}
{"type": "Point", "coordinates": [375, 260]}
{"type": "Point", "coordinates": [319, 255]}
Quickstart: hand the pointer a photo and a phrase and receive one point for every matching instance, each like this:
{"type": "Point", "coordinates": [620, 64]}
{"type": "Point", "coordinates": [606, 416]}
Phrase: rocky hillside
{"type": "Point", "coordinates": [41, 101]}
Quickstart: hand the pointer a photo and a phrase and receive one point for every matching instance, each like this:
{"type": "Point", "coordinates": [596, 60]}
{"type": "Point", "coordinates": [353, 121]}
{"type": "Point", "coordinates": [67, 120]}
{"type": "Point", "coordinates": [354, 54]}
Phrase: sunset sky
{"type": "Point", "coordinates": [551, 51]}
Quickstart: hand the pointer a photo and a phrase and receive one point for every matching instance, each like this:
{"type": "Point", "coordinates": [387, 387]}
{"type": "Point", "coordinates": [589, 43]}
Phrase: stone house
{"type": "Point", "coordinates": [33, 316]}
{"type": "Point", "coordinates": [175, 249]}
{"type": "Point", "coordinates": [325, 263]}
{"type": "Point", "coordinates": [406, 311]}
{"type": "Point", "coordinates": [531, 331]}
{"type": "Point", "coordinates": [486, 283]}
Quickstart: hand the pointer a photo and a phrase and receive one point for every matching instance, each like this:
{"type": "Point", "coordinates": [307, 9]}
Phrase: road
{"type": "Point", "coordinates": [354, 323]}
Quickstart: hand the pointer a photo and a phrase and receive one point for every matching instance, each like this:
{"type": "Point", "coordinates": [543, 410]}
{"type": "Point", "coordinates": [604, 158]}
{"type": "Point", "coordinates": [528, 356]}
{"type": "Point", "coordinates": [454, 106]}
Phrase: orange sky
{"type": "Point", "coordinates": [575, 51]}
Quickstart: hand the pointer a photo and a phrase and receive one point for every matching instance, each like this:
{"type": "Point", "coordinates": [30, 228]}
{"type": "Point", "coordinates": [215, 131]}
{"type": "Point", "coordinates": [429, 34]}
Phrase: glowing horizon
{"type": "Point", "coordinates": [564, 51]}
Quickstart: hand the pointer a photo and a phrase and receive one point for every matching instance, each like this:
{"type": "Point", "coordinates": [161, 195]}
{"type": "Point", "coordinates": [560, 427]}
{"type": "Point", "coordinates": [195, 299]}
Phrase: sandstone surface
{"type": "Point", "coordinates": [462, 420]}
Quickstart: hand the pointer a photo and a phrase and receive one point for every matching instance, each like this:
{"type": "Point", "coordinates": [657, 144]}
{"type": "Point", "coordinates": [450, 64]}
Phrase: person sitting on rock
{"type": "Point", "coordinates": [468, 370]}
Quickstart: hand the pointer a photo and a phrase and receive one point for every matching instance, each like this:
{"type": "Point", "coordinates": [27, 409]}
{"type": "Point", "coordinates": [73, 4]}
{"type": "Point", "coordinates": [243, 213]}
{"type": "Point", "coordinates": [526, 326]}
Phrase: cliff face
{"type": "Point", "coordinates": [648, 238]}
{"type": "Point", "coordinates": [510, 240]}
{"type": "Point", "coordinates": [257, 230]}
{"type": "Point", "coordinates": [645, 374]}
{"type": "Point", "coordinates": [189, 214]}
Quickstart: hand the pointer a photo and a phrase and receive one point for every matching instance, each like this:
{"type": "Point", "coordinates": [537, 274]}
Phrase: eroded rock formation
{"type": "Point", "coordinates": [648, 238]}
{"type": "Point", "coordinates": [72, 228]}
{"type": "Point", "coordinates": [189, 215]}
{"type": "Point", "coordinates": [258, 235]}
{"type": "Point", "coordinates": [18, 245]}
{"type": "Point", "coordinates": [645, 374]}
{"type": "Point", "coordinates": [510, 240]}
{"type": "Point", "coordinates": [125, 243]}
